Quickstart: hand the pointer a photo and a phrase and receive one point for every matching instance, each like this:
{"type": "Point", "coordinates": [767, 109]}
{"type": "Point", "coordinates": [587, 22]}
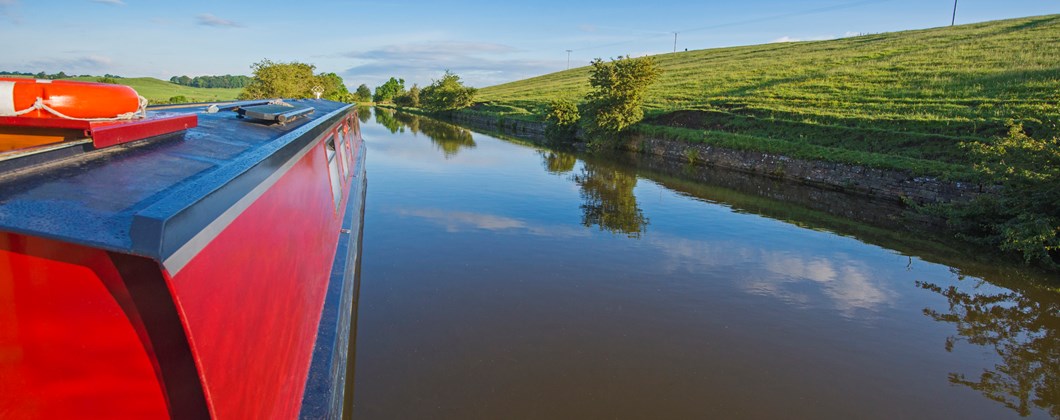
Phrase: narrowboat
{"type": "Point", "coordinates": [194, 261]}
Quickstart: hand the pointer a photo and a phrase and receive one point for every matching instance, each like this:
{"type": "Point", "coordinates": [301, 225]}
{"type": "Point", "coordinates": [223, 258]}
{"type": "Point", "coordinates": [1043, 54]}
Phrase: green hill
{"type": "Point", "coordinates": [912, 95]}
{"type": "Point", "coordinates": [160, 92]}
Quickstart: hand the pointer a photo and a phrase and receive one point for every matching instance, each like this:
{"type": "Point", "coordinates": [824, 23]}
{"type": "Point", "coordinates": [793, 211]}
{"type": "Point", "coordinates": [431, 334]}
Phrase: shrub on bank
{"type": "Point", "coordinates": [618, 91]}
{"type": "Point", "coordinates": [1024, 216]}
{"type": "Point", "coordinates": [447, 94]}
{"type": "Point", "coordinates": [562, 118]}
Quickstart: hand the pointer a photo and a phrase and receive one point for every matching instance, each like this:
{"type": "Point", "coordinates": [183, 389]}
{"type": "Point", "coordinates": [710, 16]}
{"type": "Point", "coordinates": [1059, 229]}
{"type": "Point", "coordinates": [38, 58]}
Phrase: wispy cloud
{"type": "Point", "coordinates": [799, 279]}
{"type": "Point", "coordinates": [458, 221]}
{"type": "Point", "coordinates": [110, 2]}
{"type": "Point", "coordinates": [81, 64]}
{"type": "Point", "coordinates": [812, 38]}
{"type": "Point", "coordinates": [207, 19]}
{"type": "Point", "coordinates": [479, 64]}
{"type": "Point", "coordinates": [431, 51]}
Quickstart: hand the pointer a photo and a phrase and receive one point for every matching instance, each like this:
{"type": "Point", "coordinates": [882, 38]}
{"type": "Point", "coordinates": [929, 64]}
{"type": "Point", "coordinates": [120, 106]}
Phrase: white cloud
{"type": "Point", "coordinates": [206, 19]}
{"type": "Point", "coordinates": [458, 221]}
{"type": "Point", "coordinates": [75, 65]}
{"type": "Point", "coordinates": [478, 64]}
{"type": "Point", "coordinates": [811, 38]}
{"type": "Point", "coordinates": [792, 277]}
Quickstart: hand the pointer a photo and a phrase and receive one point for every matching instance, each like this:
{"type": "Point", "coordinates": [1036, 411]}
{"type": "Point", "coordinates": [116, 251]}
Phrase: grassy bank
{"type": "Point", "coordinates": [160, 92]}
{"type": "Point", "coordinates": [904, 100]}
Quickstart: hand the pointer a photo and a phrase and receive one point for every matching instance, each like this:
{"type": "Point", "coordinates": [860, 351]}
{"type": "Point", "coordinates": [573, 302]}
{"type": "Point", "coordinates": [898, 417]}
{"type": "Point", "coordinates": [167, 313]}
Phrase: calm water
{"type": "Point", "coordinates": [504, 281]}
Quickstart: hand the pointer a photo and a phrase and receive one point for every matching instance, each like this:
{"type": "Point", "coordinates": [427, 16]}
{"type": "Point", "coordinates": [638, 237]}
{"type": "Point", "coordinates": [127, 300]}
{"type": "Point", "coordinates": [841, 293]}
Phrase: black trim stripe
{"type": "Point", "coordinates": [176, 365]}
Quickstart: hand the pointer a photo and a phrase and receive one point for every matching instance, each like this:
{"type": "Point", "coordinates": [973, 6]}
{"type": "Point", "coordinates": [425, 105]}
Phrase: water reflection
{"type": "Point", "coordinates": [760, 283]}
{"type": "Point", "coordinates": [1022, 329]}
{"type": "Point", "coordinates": [462, 221]}
{"type": "Point", "coordinates": [364, 113]}
{"type": "Point", "coordinates": [449, 138]}
{"type": "Point", "coordinates": [608, 199]}
{"type": "Point", "coordinates": [800, 279]}
{"type": "Point", "coordinates": [385, 118]}
{"type": "Point", "coordinates": [558, 163]}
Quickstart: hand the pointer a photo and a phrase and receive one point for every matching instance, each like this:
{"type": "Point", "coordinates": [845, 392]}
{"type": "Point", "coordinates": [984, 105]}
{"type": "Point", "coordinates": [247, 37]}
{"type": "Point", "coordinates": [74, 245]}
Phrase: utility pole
{"type": "Point", "coordinates": [568, 59]}
{"type": "Point", "coordinates": [954, 18]}
{"type": "Point", "coordinates": [675, 42]}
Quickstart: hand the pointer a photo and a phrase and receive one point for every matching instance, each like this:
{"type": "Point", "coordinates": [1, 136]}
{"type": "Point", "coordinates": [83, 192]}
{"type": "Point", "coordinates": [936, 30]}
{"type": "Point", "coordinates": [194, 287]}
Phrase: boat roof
{"type": "Point", "coordinates": [152, 196]}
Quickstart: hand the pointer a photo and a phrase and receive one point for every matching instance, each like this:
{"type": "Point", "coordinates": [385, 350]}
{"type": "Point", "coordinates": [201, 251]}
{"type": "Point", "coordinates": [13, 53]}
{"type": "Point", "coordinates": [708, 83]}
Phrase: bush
{"type": "Point", "coordinates": [410, 99]}
{"type": "Point", "coordinates": [363, 94]}
{"type": "Point", "coordinates": [618, 93]}
{"type": "Point", "coordinates": [447, 94]}
{"type": "Point", "coordinates": [1024, 215]}
{"type": "Point", "coordinates": [280, 80]}
{"type": "Point", "coordinates": [389, 90]}
{"type": "Point", "coordinates": [106, 79]}
{"type": "Point", "coordinates": [179, 99]}
{"type": "Point", "coordinates": [562, 118]}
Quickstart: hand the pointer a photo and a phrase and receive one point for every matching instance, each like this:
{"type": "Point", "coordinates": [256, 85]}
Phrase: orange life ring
{"type": "Point", "coordinates": [66, 98]}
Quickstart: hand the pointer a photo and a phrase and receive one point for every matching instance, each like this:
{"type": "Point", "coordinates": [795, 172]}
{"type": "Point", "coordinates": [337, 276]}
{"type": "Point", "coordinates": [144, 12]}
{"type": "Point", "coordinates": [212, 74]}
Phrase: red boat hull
{"type": "Point", "coordinates": [225, 328]}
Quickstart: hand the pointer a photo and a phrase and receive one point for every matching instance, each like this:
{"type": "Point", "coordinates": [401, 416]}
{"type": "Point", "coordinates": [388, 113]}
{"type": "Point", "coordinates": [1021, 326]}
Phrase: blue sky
{"type": "Point", "coordinates": [485, 42]}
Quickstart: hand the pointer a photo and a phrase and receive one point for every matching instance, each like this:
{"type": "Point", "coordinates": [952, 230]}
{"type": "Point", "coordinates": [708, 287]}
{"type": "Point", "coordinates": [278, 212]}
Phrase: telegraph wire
{"type": "Point", "coordinates": [737, 23]}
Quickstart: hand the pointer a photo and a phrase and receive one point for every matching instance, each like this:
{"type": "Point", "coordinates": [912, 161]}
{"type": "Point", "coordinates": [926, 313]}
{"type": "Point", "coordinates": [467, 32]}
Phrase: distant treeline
{"type": "Point", "coordinates": [59, 75]}
{"type": "Point", "coordinates": [226, 81]}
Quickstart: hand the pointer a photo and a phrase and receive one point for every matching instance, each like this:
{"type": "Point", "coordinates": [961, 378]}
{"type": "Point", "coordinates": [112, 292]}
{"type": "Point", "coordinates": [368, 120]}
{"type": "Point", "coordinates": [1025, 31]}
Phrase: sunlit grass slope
{"type": "Point", "coordinates": [159, 91]}
{"type": "Point", "coordinates": [914, 93]}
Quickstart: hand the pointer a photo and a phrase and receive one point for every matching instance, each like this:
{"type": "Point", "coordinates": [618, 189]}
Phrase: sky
{"type": "Point", "coordinates": [484, 42]}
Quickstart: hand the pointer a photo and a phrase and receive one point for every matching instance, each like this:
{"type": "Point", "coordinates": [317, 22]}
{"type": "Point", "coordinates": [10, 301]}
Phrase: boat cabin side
{"type": "Point", "coordinates": [220, 314]}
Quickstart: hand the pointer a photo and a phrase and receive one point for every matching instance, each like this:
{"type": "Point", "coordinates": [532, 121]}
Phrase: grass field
{"type": "Point", "coordinates": [160, 91]}
{"type": "Point", "coordinates": [913, 94]}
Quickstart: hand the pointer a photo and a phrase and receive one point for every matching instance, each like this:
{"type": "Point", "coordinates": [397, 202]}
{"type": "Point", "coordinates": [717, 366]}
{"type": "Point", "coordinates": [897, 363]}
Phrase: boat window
{"type": "Point", "coordinates": [342, 145]}
{"type": "Point", "coordinates": [346, 149]}
{"type": "Point", "coordinates": [351, 133]}
{"type": "Point", "coordinates": [349, 152]}
{"type": "Point", "coordinates": [333, 169]}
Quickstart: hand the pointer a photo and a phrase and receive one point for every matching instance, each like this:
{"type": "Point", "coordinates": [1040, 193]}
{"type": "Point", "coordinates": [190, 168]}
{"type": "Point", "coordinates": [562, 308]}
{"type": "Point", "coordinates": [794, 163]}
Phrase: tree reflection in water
{"type": "Point", "coordinates": [609, 201]}
{"type": "Point", "coordinates": [1023, 330]}
{"type": "Point", "coordinates": [364, 113]}
{"type": "Point", "coordinates": [385, 118]}
{"type": "Point", "coordinates": [449, 138]}
{"type": "Point", "coordinates": [558, 163]}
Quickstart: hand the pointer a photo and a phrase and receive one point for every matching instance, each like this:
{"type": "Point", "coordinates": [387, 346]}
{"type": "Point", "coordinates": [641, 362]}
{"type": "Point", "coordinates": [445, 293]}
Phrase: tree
{"type": "Point", "coordinates": [226, 81]}
{"type": "Point", "coordinates": [410, 99]}
{"type": "Point", "coordinates": [1024, 215]}
{"type": "Point", "coordinates": [280, 80]}
{"type": "Point", "coordinates": [562, 119]}
{"type": "Point", "coordinates": [363, 94]}
{"type": "Point", "coordinates": [447, 94]}
{"type": "Point", "coordinates": [389, 90]}
{"type": "Point", "coordinates": [618, 93]}
{"type": "Point", "coordinates": [334, 88]}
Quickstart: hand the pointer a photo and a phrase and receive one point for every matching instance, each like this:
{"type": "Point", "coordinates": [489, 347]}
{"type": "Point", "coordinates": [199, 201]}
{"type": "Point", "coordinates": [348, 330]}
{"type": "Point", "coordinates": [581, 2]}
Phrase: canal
{"type": "Point", "coordinates": [503, 280]}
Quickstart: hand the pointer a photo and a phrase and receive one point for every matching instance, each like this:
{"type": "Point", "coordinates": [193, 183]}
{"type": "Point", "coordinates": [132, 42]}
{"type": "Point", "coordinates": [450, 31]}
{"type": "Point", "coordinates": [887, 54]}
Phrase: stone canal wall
{"type": "Point", "coordinates": [872, 182]}
{"type": "Point", "coordinates": [529, 130]}
{"type": "Point", "coordinates": [866, 181]}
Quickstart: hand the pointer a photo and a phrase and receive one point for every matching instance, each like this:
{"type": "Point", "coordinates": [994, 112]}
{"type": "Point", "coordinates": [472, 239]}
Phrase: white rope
{"type": "Point", "coordinates": [141, 111]}
{"type": "Point", "coordinates": [280, 102]}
